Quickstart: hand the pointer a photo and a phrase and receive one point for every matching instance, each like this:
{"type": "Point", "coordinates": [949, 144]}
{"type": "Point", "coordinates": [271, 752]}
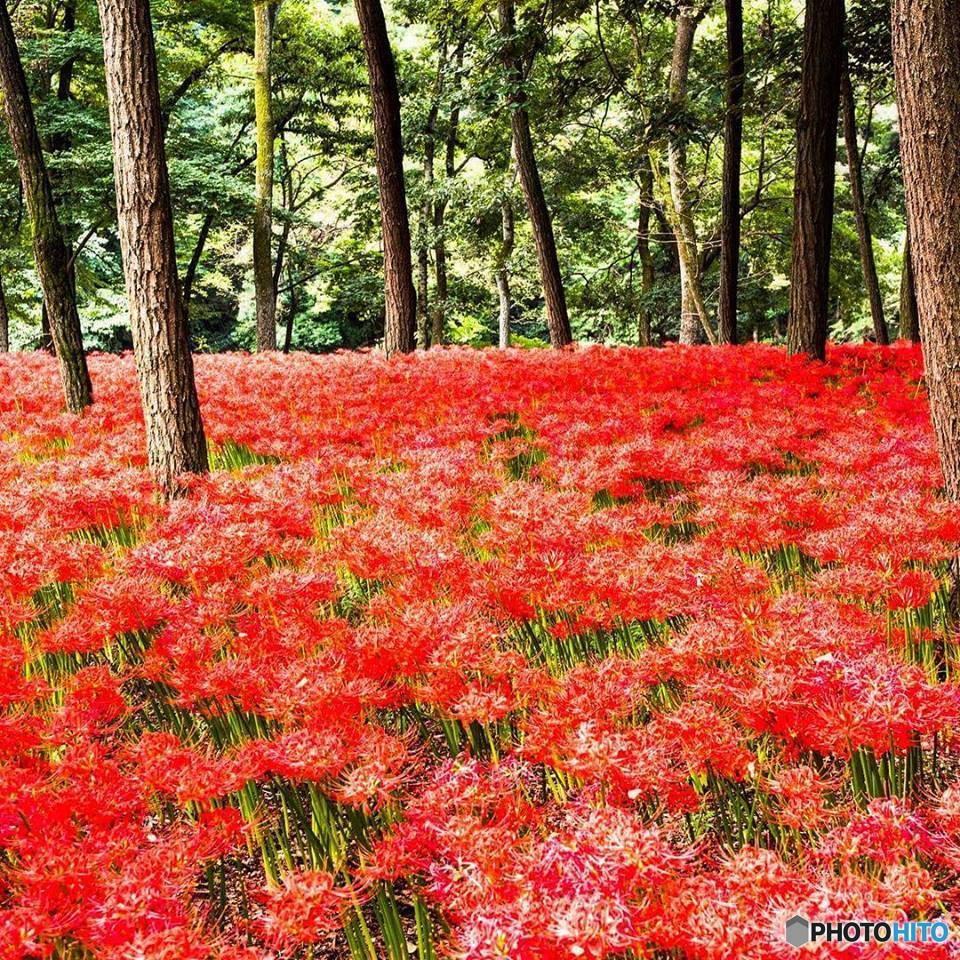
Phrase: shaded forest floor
{"type": "Point", "coordinates": [524, 654]}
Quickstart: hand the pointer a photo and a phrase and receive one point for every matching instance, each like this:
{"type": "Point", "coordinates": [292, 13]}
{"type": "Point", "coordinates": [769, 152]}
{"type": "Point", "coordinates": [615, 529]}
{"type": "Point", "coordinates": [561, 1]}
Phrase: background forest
{"type": "Point", "coordinates": [603, 113]}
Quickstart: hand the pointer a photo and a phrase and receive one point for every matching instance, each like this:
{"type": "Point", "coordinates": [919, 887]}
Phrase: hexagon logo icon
{"type": "Point", "coordinates": [798, 931]}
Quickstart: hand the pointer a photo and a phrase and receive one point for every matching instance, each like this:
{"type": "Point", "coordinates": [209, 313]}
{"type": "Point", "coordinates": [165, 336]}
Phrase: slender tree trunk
{"type": "Point", "coordinates": [440, 210]}
{"type": "Point", "coordinates": [909, 320]}
{"type": "Point", "coordinates": [50, 251]}
{"type": "Point", "coordinates": [926, 56]}
{"type": "Point", "coordinates": [558, 322]}
{"type": "Point", "coordinates": [423, 278]}
{"type": "Point", "coordinates": [287, 192]}
{"type": "Point", "coordinates": [292, 308]}
{"type": "Point", "coordinates": [427, 211]}
{"type": "Point", "coordinates": [401, 320]}
{"type": "Point", "coordinates": [61, 141]}
{"type": "Point", "coordinates": [644, 331]}
{"type": "Point", "coordinates": [503, 270]}
{"type": "Point", "coordinates": [732, 150]}
{"type": "Point", "coordinates": [867, 262]}
{"type": "Point", "coordinates": [693, 311]}
{"type": "Point", "coordinates": [189, 278]}
{"type": "Point", "coordinates": [4, 320]}
{"type": "Point", "coordinates": [813, 188]}
{"type": "Point", "coordinates": [171, 411]}
{"type": "Point", "coordinates": [266, 304]}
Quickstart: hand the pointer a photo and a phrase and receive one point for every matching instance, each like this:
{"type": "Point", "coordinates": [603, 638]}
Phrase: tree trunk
{"type": "Point", "coordinates": [867, 263]}
{"type": "Point", "coordinates": [644, 332]}
{"type": "Point", "coordinates": [440, 210]}
{"type": "Point", "coordinates": [171, 411]}
{"type": "Point", "coordinates": [427, 211]}
{"type": "Point", "coordinates": [400, 322]}
{"type": "Point", "coordinates": [190, 276]}
{"type": "Point", "coordinates": [423, 278]}
{"type": "Point", "coordinates": [292, 308]}
{"type": "Point", "coordinates": [50, 251]}
{"type": "Point", "coordinates": [926, 56]}
{"type": "Point", "coordinates": [558, 322]}
{"type": "Point", "coordinates": [732, 150]}
{"type": "Point", "coordinates": [4, 320]}
{"type": "Point", "coordinates": [266, 304]}
{"type": "Point", "coordinates": [503, 271]}
{"type": "Point", "coordinates": [813, 186]}
{"type": "Point", "coordinates": [693, 311]}
{"type": "Point", "coordinates": [909, 320]}
{"type": "Point", "coordinates": [61, 141]}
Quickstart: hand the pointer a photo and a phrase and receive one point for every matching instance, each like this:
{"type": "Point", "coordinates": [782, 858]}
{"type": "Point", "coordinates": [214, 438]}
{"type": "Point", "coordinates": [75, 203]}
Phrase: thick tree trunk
{"type": "Point", "coordinates": [644, 331]}
{"type": "Point", "coordinates": [558, 322]}
{"type": "Point", "coordinates": [909, 319]}
{"type": "Point", "coordinates": [49, 248]}
{"type": "Point", "coordinates": [401, 320]}
{"type": "Point", "coordinates": [503, 271]}
{"type": "Point", "coordinates": [4, 320]}
{"type": "Point", "coordinates": [864, 236]}
{"type": "Point", "coordinates": [693, 311]}
{"type": "Point", "coordinates": [266, 303]}
{"type": "Point", "coordinates": [171, 411]}
{"type": "Point", "coordinates": [732, 151]}
{"type": "Point", "coordinates": [813, 187]}
{"type": "Point", "coordinates": [926, 56]}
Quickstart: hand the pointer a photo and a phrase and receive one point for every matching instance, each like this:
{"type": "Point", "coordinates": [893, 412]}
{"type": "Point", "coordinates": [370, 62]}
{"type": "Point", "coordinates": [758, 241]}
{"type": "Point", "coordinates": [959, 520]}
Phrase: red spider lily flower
{"type": "Point", "coordinates": [306, 909]}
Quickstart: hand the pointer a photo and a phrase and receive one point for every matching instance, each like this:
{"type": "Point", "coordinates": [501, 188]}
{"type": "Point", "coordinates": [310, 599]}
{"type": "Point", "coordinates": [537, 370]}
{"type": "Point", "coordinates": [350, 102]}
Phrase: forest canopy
{"type": "Point", "coordinates": [596, 82]}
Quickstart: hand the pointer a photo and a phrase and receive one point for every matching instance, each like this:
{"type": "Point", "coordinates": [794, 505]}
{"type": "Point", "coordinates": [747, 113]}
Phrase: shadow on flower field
{"type": "Point", "coordinates": [476, 654]}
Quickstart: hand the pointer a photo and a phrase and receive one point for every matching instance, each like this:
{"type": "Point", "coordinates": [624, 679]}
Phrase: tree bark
{"type": "Point", "coordinates": [61, 141]}
{"type": "Point", "coordinates": [292, 308]}
{"type": "Point", "coordinates": [49, 248]}
{"type": "Point", "coordinates": [644, 332]}
{"type": "Point", "coordinates": [926, 56]}
{"type": "Point", "coordinates": [4, 320]}
{"type": "Point", "coordinates": [439, 313]}
{"type": "Point", "coordinates": [266, 304]}
{"type": "Point", "coordinates": [864, 236]}
{"type": "Point", "coordinates": [558, 322]}
{"type": "Point", "coordinates": [171, 410]}
{"type": "Point", "coordinates": [400, 321]}
{"type": "Point", "coordinates": [814, 181]}
{"type": "Point", "coordinates": [503, 271]}
{"type": "Point", "coordinates": [693, 311]}
{"type": "Point", "coordinates": [189, 278]}
{"type": "Point", "coordinates": [909, 320]}
{"type": "Point", "coordinates": [427, 211]}
{"type": "Point", "coordinates": [732, 151]}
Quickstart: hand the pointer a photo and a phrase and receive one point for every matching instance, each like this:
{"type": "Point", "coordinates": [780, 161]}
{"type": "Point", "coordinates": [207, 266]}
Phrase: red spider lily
{"type": "Point", "coordinates": [526, 655]}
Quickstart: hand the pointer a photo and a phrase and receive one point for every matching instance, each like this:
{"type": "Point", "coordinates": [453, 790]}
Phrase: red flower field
{"type": "Point", "coordinates": [479, 655]}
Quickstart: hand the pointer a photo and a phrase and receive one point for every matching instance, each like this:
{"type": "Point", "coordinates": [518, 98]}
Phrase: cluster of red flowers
{"type": "Point", "coordinates": [484, 655]}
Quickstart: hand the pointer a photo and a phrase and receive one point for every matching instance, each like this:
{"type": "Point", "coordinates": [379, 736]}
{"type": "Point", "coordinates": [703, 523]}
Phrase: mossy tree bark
{"type": "Point", "coordinates": [49, 247]}
{"type": "Point", "coordinates": [266, 302]}
{"type": "Point", "coordinates": [732, 152]}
